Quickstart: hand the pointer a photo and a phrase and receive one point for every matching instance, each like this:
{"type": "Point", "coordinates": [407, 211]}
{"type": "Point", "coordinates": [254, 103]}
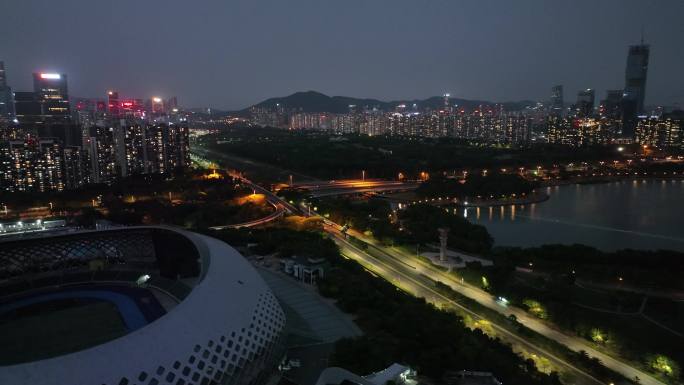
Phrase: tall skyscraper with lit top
{"type": "Point", "coordinates": [51, 91]}
{"type": "Point", "coordinates": [635, 75]}
{"type": "Point", "coordinates": [635, 86]}
{"type": "Point", "coordinates": [557, 103]}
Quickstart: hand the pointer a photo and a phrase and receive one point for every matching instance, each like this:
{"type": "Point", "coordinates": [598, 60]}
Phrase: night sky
{"type": "Point", "coordinates": [232, 53]}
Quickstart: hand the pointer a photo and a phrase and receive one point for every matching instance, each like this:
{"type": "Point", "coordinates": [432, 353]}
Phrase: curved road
{"type": "Point", "coordinates": [402, 273]}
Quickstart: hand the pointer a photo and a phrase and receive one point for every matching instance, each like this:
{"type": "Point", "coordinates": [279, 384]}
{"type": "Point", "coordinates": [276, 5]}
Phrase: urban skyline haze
{"type": "Point", "coordinates": [226, 54]}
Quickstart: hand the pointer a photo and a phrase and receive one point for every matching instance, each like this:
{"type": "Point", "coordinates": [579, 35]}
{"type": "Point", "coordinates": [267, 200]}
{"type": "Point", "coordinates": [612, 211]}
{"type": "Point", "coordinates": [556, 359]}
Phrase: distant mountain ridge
{"type": "Point", "coordinates": [312, 101]}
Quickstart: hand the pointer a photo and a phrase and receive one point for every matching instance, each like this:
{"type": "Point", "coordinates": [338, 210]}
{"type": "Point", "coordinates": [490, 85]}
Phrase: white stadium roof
{"type": "Point", "coordinates": [229, 318]}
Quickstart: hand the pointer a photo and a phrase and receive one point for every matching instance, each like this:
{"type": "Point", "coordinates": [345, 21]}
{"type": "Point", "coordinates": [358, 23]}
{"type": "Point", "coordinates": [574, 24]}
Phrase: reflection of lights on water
{"type": "Point", "coordinates": [477, 213]}
{"type": "Point", "coordinates": [512, 212]}
{"type": "Point", "coordinates": [465, 213]}
{"type": "Point", "coordinates": [491, 212]}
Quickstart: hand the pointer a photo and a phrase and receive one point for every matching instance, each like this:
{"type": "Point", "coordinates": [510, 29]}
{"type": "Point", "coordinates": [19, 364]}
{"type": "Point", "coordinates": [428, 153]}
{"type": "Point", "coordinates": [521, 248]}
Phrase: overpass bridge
{"type": "Point", "coordinates": [321, 189]}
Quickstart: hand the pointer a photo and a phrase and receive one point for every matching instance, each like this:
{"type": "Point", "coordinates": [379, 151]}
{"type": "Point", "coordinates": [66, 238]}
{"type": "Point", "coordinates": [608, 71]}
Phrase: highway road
{"type": "Point", "coordinates": [279, 212]}
{"type": "Point", "coordinates": [387, 255]}
{"type": "Point", "coordinates": [400, 275]}
{"type": "Point", "coordinates": [354, 186]}
{"type": "Point", "coordinates": [409, 274]}
{"type": "Point", "coordinates": [405, 272]}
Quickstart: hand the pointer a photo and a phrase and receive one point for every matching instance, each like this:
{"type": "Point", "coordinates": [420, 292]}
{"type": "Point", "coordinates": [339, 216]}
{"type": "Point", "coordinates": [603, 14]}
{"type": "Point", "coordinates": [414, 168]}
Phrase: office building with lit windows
{"type": "Point", "coordinates": [6, 96]}
{"type": "Point", "coordinates": [52, 147]}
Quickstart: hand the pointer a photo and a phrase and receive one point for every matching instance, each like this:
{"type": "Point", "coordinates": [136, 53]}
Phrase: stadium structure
{"type": "Point", "coordinates": [134, 305]}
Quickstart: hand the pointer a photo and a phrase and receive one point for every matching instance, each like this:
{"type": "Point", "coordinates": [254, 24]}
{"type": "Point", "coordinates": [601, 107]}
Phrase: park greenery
{"type": "Point", "coordinates": [551, 293]}
{"type": "Point", "coordinates": [430, 340]}
{"type": "Point", "coordinates": [416, 225]}
{"type": "Point", "coordinates": [282, 241]}
{"type": "Point", "coordinates": [491, 185]}
{"type": "Point", "coordinates": [641, 268]}
{"type": "Point", "coordinates": [613, 321]}
{"type": "Point", "coordinates": [419, 224]}
{"type": "Point", "coordinates": [192, 202]}
{"type": "Point", "coordinates": [190, 199]}
{"type": "Point", "coordinates": [328, 156]}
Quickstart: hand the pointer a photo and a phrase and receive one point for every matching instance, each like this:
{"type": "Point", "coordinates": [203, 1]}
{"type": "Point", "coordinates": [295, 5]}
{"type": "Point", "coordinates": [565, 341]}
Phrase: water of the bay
{"type": "Point", "coordinates": [636, 214]}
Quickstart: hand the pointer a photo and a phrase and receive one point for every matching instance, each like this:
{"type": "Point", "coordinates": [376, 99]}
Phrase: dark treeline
{"type": "Point", "coordinates": [326, 156]}
{"type": "Point", "coordinates": [618, 324]}
{"type": "Point", "coordinates": [418, 224]}
{"type": "Point", "coordinates": [492, 185]}
{"type": "Point", "coordinates": [188, 199]}
{"type": "Point", "coordinates": [659, 268]}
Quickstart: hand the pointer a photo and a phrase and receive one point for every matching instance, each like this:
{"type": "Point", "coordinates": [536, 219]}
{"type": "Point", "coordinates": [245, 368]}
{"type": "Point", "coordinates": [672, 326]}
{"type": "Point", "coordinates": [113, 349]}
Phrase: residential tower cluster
{"type": "Point", "coordinates": [619, 118]}
{"type": "Point", "coordinates": [51, 142]}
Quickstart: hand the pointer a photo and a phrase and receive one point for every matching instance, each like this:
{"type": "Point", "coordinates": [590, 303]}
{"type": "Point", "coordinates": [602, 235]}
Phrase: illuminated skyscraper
{"type": "Point", "coordinates": [113, 104]}
{"type": "Point", "coordinates": [557, 100]}
{"type": "Point", "coordinates": [157, 105]}
{"type": "Point", "coordinates": [51, 92]}
{"type": "Point", "coordinates": [3, 77]}
{"type": "Point", "coordinates": [611, 106]}
{"type": "Point", "coordinates": [46, 111]}
{"type": "Point", "coordinates": [6, 97]}
{"type": "Point", "coordinates": [635, 86]}
{"type": "Point", "coordinates": [635, 76]}
{"type": "Point", "coordinates": [585, 102]}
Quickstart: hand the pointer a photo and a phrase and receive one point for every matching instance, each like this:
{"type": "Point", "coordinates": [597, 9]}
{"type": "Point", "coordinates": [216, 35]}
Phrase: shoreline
{"type": "Point", "coordinates": [554, 183]}
{"type": "Point", "coordinates": [607, 179]}
{"type": "Point", "coordinates": [535, 197]}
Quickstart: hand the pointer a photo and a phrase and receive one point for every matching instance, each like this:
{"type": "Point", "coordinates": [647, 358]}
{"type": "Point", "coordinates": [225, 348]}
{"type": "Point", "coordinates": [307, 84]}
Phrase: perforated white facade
{"type": "Point", "coordinates": [226, 331]}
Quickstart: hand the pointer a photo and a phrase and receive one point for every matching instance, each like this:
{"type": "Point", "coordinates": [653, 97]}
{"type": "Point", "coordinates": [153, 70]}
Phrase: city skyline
{"type": "Point", "coordinates": [486, 55]}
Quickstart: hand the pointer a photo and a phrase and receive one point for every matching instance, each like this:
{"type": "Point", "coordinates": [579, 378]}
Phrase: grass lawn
{"type": "Point", "coordinates": [47, 333]}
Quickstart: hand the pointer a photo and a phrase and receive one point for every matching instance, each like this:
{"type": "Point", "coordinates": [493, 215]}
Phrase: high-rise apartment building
{"type": "Point", "coordinates": [585, 102]}
{"type": "Point", "coordinates": [6, 96]}
{"type": "Point", "coordinates": [611, 106]}
{"type": "Point", "coordinates": [32, 165]}
{"type": "Point", "coordinates": [52, 94]}
{"type": "Point", "coordinates": [557, 103]}
{"type": "Point", "coordinates": [665, 132]}
{"type": "Point", "coordinates": [113, 107]}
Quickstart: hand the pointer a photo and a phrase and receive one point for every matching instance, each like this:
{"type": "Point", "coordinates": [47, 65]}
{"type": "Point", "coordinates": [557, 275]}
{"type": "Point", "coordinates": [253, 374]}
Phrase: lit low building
{"type": "Point", "coordinates": [305, 269]}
